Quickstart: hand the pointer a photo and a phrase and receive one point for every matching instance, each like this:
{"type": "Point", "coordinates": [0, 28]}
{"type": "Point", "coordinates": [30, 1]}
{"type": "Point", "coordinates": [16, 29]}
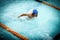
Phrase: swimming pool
{"type": "Point", "coordinates": [42, 27]}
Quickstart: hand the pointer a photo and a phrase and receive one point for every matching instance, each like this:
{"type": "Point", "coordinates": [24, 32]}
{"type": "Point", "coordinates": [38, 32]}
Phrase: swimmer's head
{"type": "Point", "coordinates": [35, 12]}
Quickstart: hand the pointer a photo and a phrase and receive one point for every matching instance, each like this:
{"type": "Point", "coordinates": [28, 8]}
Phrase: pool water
{"type": "Point", "coordinates": [43, 27]}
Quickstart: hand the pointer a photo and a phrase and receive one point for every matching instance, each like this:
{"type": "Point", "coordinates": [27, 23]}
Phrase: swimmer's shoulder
{"type": "Point", "coordinates": [29, 14]}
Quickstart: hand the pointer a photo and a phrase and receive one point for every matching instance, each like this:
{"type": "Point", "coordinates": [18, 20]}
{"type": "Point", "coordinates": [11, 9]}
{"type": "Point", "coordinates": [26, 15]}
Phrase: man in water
{"type": "Point", "coordinates": [30, 15]}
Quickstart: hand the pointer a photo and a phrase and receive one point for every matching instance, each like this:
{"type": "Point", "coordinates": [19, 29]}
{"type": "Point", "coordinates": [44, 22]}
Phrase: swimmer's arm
{"type": "Point", "coordinates": [23, 15]}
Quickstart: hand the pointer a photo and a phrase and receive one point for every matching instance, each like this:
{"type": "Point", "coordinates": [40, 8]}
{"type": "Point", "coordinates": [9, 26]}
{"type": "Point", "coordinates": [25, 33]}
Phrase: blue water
{"type": "Point", "coordinates": [5, 35]}
{"type": "Point", "coordinates": [43, 27]}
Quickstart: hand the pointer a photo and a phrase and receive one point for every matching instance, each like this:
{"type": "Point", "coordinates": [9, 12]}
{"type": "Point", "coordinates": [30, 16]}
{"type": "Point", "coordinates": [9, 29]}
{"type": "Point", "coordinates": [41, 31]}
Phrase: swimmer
{"type": "Point", "coordinates": [30, 15]}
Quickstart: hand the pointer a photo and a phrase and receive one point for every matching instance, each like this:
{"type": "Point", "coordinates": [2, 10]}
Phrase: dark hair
{"type": "Point", "coordinates": [34, 14]}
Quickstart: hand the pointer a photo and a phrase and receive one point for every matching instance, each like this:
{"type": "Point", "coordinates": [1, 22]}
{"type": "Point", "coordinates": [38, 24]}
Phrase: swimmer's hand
{"type": "Point", "coordinates": [19, 16]}
{"type": "Point", "coordinates": [23, 15]}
